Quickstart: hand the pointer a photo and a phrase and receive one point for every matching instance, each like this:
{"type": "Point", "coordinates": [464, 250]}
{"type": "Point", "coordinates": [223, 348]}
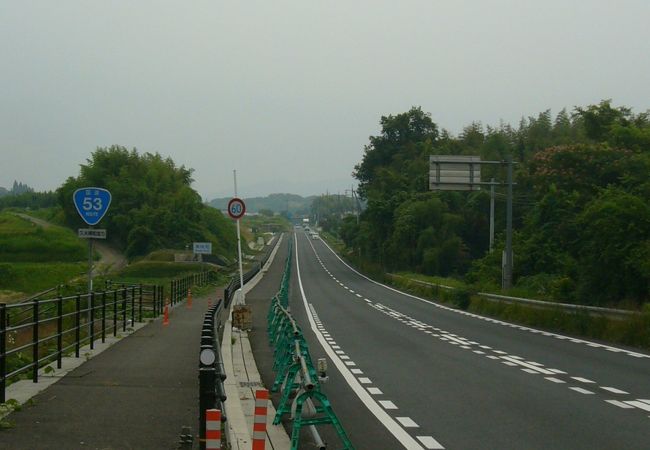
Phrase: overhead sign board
{"type": "Point", "coordinates": [236, 208]}
{"type": "Point", "coordinates": [454, 173]}
{"type": "Point", "coordinates": [92, 233]}
{"type": "Point", "coordinates": [92, 203]}
{"type": "Point", "coordinates": [202, 248]}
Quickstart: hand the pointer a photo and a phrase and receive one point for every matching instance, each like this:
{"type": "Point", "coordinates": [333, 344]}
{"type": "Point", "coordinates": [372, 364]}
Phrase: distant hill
{"type": "Point", "coordinates": [17, 189]}
{"type": "Point", "coordinates": [294, 204]}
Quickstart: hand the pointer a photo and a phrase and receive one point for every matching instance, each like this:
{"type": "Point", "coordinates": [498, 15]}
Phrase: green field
{"type": "Point", "coordinates": [24, 241]}
{"type": "Point", "coordinates": [33, 259]}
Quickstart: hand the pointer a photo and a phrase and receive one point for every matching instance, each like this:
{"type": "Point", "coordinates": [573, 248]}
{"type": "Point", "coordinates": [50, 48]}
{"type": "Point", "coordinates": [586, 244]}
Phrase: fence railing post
{"type": "Point", "coordinates": [115, 313]}
{"type": "Point", "coordinates": [77, 331]}
{"type": "Point", "coordinates": [35, 342]}
{"type": "Point", "coordinates": [59, 331]}
{"type": "Point", "coordinates": [103, 317]}
{"type": "Point", "coordinates": [91, 325]}
{"type": "Point", "coordinates": [3, 351]}
{"type": "Point", "coordinates": [132, 305]}
{"type": "Point", "coordinates": [124, 308]}
{"type": "Point", "coordinates": [140, 305]}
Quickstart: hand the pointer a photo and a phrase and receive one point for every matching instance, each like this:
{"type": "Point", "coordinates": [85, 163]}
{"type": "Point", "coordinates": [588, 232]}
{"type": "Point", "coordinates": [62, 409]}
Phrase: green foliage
{"type": "Point", "coordinates": [581, 215]}
{"type": "Point", "coordinates": [24, 241]}
{"type": "Point", "coordinates": [29, 200]}
{"type": "Point", "coordinates": [288, 204]}
{"type": "Point", "coordinates": [153, 203]}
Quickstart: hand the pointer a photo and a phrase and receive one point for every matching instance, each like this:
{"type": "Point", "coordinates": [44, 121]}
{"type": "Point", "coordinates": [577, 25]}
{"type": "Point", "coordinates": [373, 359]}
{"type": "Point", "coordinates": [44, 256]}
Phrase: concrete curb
{"type": "Point", "coordinates": [243, 379]}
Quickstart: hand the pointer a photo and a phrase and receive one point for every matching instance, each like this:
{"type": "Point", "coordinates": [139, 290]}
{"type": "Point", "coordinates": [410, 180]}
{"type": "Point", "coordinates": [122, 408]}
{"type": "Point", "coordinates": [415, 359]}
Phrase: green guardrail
{"type": "Point", "coordinates": [296, 375]}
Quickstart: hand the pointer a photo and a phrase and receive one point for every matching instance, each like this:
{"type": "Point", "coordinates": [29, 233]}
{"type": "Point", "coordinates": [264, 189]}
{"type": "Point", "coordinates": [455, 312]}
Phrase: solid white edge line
{"type": "Point", "coordinates": [610, 348]}
{"type": "Point", "coordinates": [387, 421]}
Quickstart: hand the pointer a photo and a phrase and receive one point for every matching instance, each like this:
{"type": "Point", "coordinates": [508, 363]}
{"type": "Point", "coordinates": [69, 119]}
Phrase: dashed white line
{"type": "Point", "coordinates": [407, 422]}
{"type": "Point", "coordinates": [619, 404]}
{"type": "Point", "coordinates": [364, 380]}
{"type": "Point", "coordinates": [614, 390]}
{"type": "Point", "coordinates": [582, 391]}
{"type": "Point", "coordinates": [639, 404]}
{"type": "Point", "coordinates": [582, 380]}
{"type": "Point", "coordinates": [387, 404]}
{"type": "Point", "coordinates": [554, 380]}
{"type": "Point", "coordinates": [430, 443]}
{"type": "Point", "coordinates": [375, 391]}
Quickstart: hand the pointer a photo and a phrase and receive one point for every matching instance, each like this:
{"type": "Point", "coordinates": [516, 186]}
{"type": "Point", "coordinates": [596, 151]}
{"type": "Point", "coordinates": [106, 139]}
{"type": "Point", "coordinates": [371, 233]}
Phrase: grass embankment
{"type": "Point", "coordinates": [34, 258]}
{"type": "Point", "coordinates": [633, 331]}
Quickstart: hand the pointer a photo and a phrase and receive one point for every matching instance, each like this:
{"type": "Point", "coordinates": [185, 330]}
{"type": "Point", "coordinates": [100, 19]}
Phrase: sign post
{"type": "Point", "coordinates": [92, 204]}
{"type": "Point", "coordinates": [463, 173]}
{"type": "Point", "coordinates": [236, 210]}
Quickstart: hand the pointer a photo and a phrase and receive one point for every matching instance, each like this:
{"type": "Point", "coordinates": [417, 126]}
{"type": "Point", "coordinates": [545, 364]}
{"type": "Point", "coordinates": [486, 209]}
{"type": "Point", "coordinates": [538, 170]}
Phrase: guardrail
{"type": "Point", "coordinates": [36, 333]}
{"type": "Point", "coordinates": [537, 303]}
{"type": "Point", "coordinates": [296, 375]}
{"type": "Point", "coordinates": [211, 370]}
{"type": "Point", "coordinates": [234, 283]}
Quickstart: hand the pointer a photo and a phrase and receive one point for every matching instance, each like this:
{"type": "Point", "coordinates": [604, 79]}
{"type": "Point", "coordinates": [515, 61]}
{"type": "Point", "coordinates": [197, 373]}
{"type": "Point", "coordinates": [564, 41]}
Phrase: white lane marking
{"type": "Point", "coordinates": [508, 363]}
{"type": "Point", "coordinates": [364, 380]}
{"type": "Point", "coordinates": [579, 389]}
{"type": "Point", "coordinates": [339, 352]}
{"type": "Point", "coordinates": [640, 405]}
{"type": "Point", "coordinates": [531, 371]}
{"type": "Point", "coordinates": [407, 422]}
{"type": "Point", "coordinates": [528, 366]}
{"type": "Point", "coordinates": [476, 316]}
{"type": "Point", "coordinates": [479, 352]}
{"type": "Point", "coordinates": [644, 400]}
{"type": "Point", "coordinates": [582, 380]}
{"type": "Point", "coordinates": [344, 357]}
{"type": "Point", "coordinates": [387, 421]}
{"type": "Point", "coordinates": [356, 371]}
{"type": "Point", "coordinates": [614, 390]}
{"type": "Point", "coordinates": [349, 363]}
{"type": "Point", "coordinates": [358, 295]}
{"type": "Point", "coordinates": [375, 391]}
{"type": "Point", "coordinates": [554, 380]}
{"type": "Point", "coordinates": [492, 357]}
{"type": "Point", "coordinates": [387, 404]}
{"type": "Point", "coordinates": [430, 443]}
{"type": "Point", "coordinates": [558, 371]}
{"type": "Point", "coordinates": [619, 404]}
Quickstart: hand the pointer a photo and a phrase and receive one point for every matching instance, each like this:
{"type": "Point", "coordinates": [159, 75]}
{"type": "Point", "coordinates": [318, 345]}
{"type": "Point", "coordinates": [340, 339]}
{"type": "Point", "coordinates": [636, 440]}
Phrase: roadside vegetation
{"type": "Point", "coordinates": [33, 258]}
{"type": "Point", "coordinates": [581, 211]}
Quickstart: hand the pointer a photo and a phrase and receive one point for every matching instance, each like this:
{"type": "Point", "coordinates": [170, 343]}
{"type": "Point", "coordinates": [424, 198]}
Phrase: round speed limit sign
{"type": "Point", "coordinates": [236, 208]}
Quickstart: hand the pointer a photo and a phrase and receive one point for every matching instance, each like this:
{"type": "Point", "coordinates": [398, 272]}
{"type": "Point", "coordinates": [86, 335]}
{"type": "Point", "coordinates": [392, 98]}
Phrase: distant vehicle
{"type": "Point", "coordinates": [314, 235]}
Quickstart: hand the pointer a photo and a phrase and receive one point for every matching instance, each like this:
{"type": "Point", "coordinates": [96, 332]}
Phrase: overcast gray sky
{"type": "Point", "coordinates": [287, 92]}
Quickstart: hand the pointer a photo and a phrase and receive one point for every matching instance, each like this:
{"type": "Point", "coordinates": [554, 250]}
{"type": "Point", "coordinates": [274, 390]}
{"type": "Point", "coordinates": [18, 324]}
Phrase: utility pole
{"type": "Point", "coordinates": [492, 215]}
{"type": "Point", "coordinates": [507, 279]}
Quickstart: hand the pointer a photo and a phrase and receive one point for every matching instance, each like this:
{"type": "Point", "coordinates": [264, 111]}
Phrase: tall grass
{"type": "Point", "coordinates": [24, 241]}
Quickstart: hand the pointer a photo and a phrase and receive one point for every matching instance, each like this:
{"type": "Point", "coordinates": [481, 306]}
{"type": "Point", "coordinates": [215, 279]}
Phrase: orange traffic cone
{"type": "Point", "coordinates": [166, 314]}
{"type": "Point", "coordinates": [189, 299]}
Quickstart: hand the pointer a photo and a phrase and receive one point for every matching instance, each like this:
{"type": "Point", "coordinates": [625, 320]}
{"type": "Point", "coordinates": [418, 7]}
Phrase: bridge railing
{"type": "Point", "coordinates": [36, 333]}
{"type": "Point", "coordinates": [297, 379]}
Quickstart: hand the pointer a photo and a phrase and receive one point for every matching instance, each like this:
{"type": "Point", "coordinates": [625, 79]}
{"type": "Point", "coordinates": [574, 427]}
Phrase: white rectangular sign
{"type": "Point", "coordinates": [454, 173]}
{"type": "Point", "coordinates": [91, 233]}
{"type": "Point", "coordinates": [203, 248]}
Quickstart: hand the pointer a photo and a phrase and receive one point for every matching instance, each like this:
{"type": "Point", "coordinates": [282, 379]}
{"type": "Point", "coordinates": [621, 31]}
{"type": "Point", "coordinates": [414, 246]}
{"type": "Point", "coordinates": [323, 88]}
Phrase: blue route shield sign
{"type": "Point", "coordinates": [92, 203]}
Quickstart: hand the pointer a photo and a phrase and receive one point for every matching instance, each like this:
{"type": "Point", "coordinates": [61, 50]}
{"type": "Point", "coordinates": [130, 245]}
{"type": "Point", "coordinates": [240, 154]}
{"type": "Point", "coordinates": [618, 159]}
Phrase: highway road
{"type": "Point", "coordinates": [408, 373]}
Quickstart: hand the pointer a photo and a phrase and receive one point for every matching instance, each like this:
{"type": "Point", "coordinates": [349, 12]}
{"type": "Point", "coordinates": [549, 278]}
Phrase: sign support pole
{"type": "Point", "coordinates": [242, 297]}
{"type": "Point", "coordinates": [492, 215]}
{"type": "Point", "coordinates": [507, 282]}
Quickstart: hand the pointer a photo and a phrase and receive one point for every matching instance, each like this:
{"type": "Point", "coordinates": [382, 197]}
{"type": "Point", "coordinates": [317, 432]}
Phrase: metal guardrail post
{"type": "Point", "coordinates": [115, 313]}
{"type": "Point", "coordinates": [123, 309]}
{"type": "Point", "coordinates": [35, 342]}
{"type": "Point", "coordinates": [3, 351]}
{"type": "Point", "coordinates": [77, 332]}
{"type": "Point", "coordinates": [132, 306]}
{"type": "Point", "coordinates": [91, 324]}
{"type": "Point", "coordinates": [59, 331]}
{"type": "Point", "coordinates": [103, 317]}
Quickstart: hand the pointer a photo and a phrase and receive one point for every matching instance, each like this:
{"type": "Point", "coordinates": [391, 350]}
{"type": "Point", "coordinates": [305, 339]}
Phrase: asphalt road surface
{"type": "Point", "coordinates": [408, 373]}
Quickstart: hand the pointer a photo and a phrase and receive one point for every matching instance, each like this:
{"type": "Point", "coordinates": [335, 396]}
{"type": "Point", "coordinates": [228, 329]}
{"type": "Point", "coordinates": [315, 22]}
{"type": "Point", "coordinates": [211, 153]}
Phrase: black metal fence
{"type": "Point", "coordinates": [180, 287]}
{"type": "Point", "coordinates": [36, 333]}
{"type": "Point", "coordinates": [211, 370]}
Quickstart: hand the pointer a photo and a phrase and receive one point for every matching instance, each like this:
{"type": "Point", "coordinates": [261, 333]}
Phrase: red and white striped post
{"type": "Point", "coordinates": [259, 424]}
{"type": "Point", "coordinates": [213, 429]}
